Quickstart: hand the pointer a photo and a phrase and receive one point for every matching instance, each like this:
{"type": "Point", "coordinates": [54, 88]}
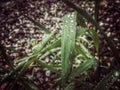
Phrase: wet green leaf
{"type": "Point", "coordinates": [68, 43]}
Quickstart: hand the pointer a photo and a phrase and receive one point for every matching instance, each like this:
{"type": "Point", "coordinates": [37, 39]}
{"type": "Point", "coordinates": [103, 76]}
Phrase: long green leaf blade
{"type": "Point", "coordinates": [82, 68]}
{"type": "Point", "coordinates": [81, 20]}
{"type": "Point", "coordinates": [68, 43]}
{"type": "Point", "coordinates": [48, 66]}
{"type": "Point", "coordinates": [29, 84]}
{"type": "Point", "coordinates": [52, 46]}
{"type": "Point", "coordinates": [95, 38]}
{"type": "Point", "coordinates": [42, 44]}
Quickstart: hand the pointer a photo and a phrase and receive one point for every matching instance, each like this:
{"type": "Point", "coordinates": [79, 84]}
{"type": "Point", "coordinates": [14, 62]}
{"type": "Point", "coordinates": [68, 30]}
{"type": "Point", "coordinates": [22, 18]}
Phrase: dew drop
{"type": "Point", "coordinates": [69, 15]}
{"type": "Point", "coordinates": [47, 73]}
{"type": "Point", "coordinates": [72, 21]}
{"type": "Point", "coordinates": [72, 15]}
{"type": "Point", "coordinates": [116, 74]}
{"type": "Point", "coordinates": [71, 31]}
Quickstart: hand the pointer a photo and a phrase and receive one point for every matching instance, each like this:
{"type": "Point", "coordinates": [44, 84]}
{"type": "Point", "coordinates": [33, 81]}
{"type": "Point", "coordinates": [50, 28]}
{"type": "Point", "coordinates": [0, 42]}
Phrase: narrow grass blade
{"type": "Point", "coordinates": [71, 86]}
{"type": "Point", "coordinates": [82, 68]}
{"type": "Point", "coordinates": [42, 44]}
{"type": "Point", "coordinates": [29, 84]}
{"type": "Point", "coordinates": [57, 57]}
{"type": "Point", "coordinates": [55, 44]}
{"type": "Point", "coordinates": [57, 83]}
{"type": "Point", "coordinates": [97, 6]}
{"type": "Point", "coordinates": [95, 38]}
{"type": "Point", "coordinates": [108, 80]}
{"type": "Point", "coordinates": [43, 64]}
{"type": "Point", "coordinates": [84, 40]}
{"type": "Point", "coordinates": [68, 43]}
{"type": "Point", "coordinates": [85, 50]}
{"type": "Point", "coordinates": [81, 20]}
{"type": "Point", "coordinates": [49, 52]}
{"type": "Point", "coordinates": [81, 31]}
{"type": "Point", "coordinates": [27, 64]}
{"type": "Point", "coordinates": [22, 60]}
{"type": "Point", "coordinates": [48, 66]}
{"type": "Point", "coordinates": [79, 50]}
